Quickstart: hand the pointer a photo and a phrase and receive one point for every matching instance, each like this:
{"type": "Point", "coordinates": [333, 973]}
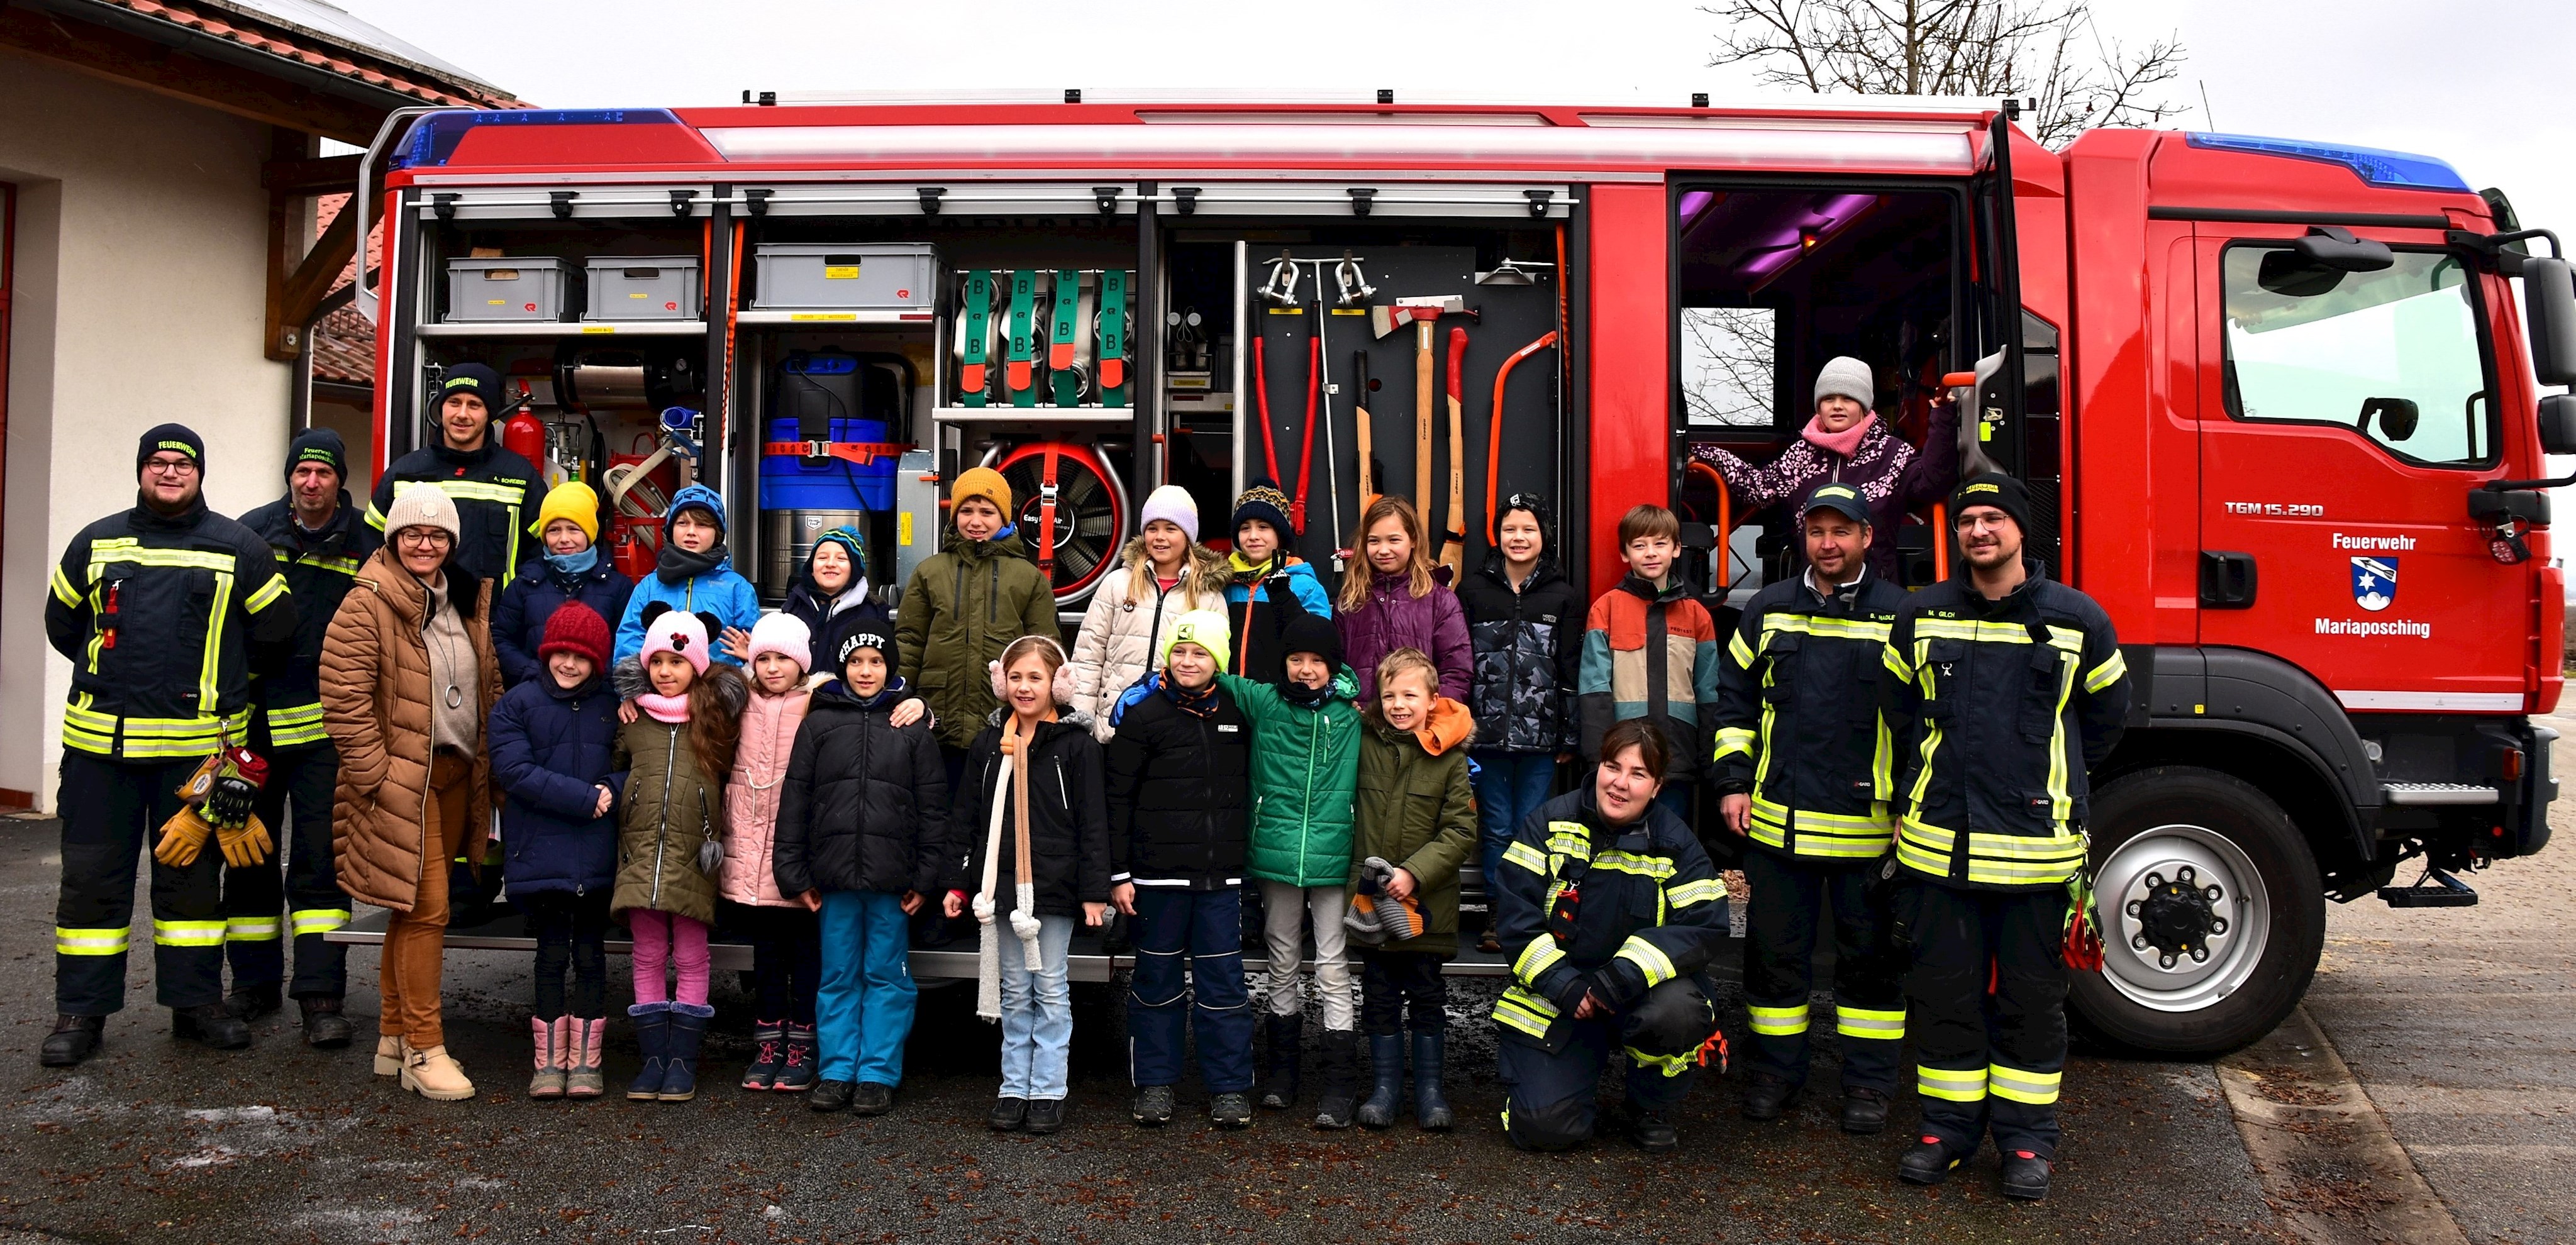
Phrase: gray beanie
{"type": "Point", "coordinates": [1845, 376]}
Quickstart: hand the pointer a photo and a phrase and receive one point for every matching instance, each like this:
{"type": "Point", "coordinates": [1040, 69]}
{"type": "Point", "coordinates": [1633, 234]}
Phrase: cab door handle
{"type": "Point", "coordinates": [2226, 580]}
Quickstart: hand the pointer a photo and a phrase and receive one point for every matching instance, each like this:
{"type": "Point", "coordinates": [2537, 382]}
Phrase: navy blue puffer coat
{"type": "Point", "coordinates": [550, 752]}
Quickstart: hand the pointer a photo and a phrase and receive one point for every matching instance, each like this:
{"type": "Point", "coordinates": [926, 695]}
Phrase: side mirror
{"type": "Point", "coordinates": [2397, 417]}
{"type": "Point", "coordinates": [2549, 313]}
{"type": "Point", "coordinates": [2558, 424]}
{"type": "Point", "coordinates": [2332, 246]}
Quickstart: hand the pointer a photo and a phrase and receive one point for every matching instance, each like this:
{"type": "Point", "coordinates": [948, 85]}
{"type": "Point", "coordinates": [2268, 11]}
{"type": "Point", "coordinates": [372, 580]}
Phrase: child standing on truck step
{"type": "Point", "coordinates": [552, 738]}
{"type": "Point", "coordinates": [1268, 588]}
{"type": "Point", "coordinates": [1035, 818]}
{"type": "Point", "coordinates": [1178, 788]}
{"type": "Point", "coordinates": [1650, 651]}
{"type": "Point", "coordinates": [786, 954]}
{"type": "Point", "coordinates": [831, 597]}
{"type": "Point", "coordinates": [570, 568]}
{"type": "Point", "coordinates": [695, 575]}
{"type": "Point", "coordinates": [1415, 825]}
{"type": "Point", "coordinates": [1402, 602]}
{"type": "Point", "coordinates": [863, 837]}
{"type": "Point", "coordinates": [1165, 573]}
{"type": "Point", "coordinates": [1305, 760]}
{"type": "Point", "coordinates": [670, 838]}
{"type": "Point", "coordinates": [964, 605]}
{"type": "Point", "coordinates": [1523, 617]}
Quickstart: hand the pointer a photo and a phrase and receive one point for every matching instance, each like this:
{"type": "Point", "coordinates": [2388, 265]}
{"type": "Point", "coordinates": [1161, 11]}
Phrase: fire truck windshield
{"type": "Point", "coordinates": [2394, 355]}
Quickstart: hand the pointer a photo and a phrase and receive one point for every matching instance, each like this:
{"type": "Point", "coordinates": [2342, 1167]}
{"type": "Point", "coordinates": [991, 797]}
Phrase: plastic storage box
{"type": "Point", "coordinates": [642, 287]}
{"type": "Point", "coordinates": [526, 287]}
{"type": "Point", "coordinates": [791, 482]}
{"type": "Point", "coordinates": [845, 276]}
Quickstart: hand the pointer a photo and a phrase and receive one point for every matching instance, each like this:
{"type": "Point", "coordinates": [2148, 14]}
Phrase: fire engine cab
{"type": "Point", "coordinates": [2272, 399]}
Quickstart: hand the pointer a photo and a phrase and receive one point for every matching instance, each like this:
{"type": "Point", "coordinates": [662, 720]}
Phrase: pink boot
{"type": "Point", "coordinates": [553, 1041]}
{"type": "Point", "coordinates": [582, 1077]}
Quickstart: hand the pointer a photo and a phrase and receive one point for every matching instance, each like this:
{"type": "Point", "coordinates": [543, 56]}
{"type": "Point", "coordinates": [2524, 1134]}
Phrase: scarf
{"type": "Point", "coordinates": [574, 565]}
{"type": "Point", "coordinates": [1841, 443]}
{"type": "Point", "coordinates": [678, 566]}
{"type": "Point", "coordinates": [668, 709]}
{"type": "Point", "coordinates": [1305, 697]}
{"type": "Point", "coordinates": [1201, 702]}
{"type": "Point", "coordinates": [1014, 774]}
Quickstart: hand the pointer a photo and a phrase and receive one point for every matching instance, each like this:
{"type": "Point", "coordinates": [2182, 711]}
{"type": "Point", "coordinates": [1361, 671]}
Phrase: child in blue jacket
{"type": "Point", "coordinates": [551, 740]}
{"type": "Point", "coordinates": [695, 576]}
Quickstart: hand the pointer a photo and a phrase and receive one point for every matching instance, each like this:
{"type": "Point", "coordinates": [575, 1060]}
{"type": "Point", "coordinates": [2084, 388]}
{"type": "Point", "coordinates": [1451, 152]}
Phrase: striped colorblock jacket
{"type": "Point", "coordinates": [1650, 653]}
{"type": "Point", "coordinates": [1799, 726]}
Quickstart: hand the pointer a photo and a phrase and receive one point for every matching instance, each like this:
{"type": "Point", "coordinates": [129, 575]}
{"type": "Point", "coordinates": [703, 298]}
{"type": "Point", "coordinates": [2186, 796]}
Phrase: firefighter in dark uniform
{"type": "Point", "coordinates": [163, 611]}
{"type": "Point", "coordinates": [2012, 687]}
{"type": "Point", "coordinates": [320, 541]}
{"type": "Point", "coordinates": [1805, 772]}
{"type": "Point", "coordinates": [496, 491]}
{"type": "Point", "coordinates": [1609, 911]}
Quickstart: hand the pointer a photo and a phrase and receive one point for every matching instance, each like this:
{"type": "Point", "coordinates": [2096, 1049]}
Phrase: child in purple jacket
{"type": "Point", "coordinates": [1401, 602]}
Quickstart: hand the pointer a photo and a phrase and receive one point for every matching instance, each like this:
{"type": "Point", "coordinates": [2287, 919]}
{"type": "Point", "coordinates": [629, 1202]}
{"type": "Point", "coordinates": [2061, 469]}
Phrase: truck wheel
{"type": "Point", "coordinates": [2211, 909]}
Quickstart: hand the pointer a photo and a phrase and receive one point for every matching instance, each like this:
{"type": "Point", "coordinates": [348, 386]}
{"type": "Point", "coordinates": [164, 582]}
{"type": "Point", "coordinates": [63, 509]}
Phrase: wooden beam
{"type": "Point", "coordinates": [139, 62]}
{"type": "Point", "coordinates": [323, 175]}
{"type": "Point", "coordinates": [302, 290]}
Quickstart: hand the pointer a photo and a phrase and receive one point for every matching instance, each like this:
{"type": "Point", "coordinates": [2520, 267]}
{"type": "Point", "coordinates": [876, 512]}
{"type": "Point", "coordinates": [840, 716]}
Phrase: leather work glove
{"type": "Point", "coordinates": [235, 789]}
{"type": "Point", "coordinates": [182, 837]}
{"type": "Point", "coordinates": [246, 844]}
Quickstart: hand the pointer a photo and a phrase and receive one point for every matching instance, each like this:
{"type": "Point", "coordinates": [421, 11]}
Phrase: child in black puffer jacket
{"type": "Point", "coordinates": [863, 838]}
{"type": "Point", "coordinates": [1525, 620]}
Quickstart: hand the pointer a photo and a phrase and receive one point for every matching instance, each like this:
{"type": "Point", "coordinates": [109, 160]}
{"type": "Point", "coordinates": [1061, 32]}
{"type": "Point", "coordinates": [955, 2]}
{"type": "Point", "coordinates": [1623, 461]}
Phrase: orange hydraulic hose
{"type": "Point", "coordinates": [1494, 434]}
{"type": "Point", "coordinates": [1940, 541]}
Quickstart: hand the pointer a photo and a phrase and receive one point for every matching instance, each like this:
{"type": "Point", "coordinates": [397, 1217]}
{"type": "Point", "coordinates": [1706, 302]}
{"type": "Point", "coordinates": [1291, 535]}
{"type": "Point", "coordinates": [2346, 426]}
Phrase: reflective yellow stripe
{"type": "Point", "coordinates": [64, 591]}
{"type": "Point", "coordinates": [1541, 954]}
{"type": "Point", "coordinates": [297, 736]}
{"type": "Point", "coordinates": [2036, 1088]}
{"type": "Point", "coordinates": [1525, 1011]}
{"type": "Point", "coordinates": [325, 562]}
{"type": "Point", "coordinates": [1701, 891]}
{"type": "Point", "coordinates": [1823, 628]}
{"type": "Point", "coordinates": [1824, 836]}
{"type": "Point", "coordinates": [252, 929]}
{"type": "Point", "coordinates": [1527, 857]}
{"type": "Point", "coordinates": [210, 664]}
{"type": "Point", "coordinates": [1669, 1065]}
{"type": "Point", "coordinates": [70, 941]}
{"type": "Point", "coordinates": [1950, 1084]}
{"type": "Point", "coordinates": [188, 933]}
{"type": "Point", "coordinates": [270, 591]}
{"type": "Point", "coordinates": [1649, 959]}
{"type": "Point", "coordinates": [1858, 1022]}
{"type": "Point", "coordinates": [2109, 672]}
{"type": "Point", "coordinates": [1737, 649]}
{"type": "Point", "coordinates": [1778, 1021]}
{"type": "Point", "coordinates": [129, 549]}
{"type": "Point", "coordinates": [295, 715]}
{"type": "Point", "coordinates": [1994, 859]}
{"type": "Point", "coordinates": [1876, 821]}
{"type": "Point", "coordinates": [1733, 741]}
{"type": "Point", "coordinates": [1896, 663]}
{"type": "Point", "coordinates": [1630, 862]}
{"type": "Point", "coordinates": [375, 517]}
{"type": "Point", "coordinates": [1978, 632]}
{"type": "Point", "coordinates": [317, 920]}
{"type": "Point", "coordinates": [470, 490]}
{"type": "Point", "coordinates": [1569, 838]}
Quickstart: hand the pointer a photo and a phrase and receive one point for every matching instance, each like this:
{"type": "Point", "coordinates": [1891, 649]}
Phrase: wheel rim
{"type": "Point", "coordinates": [2168, 893]}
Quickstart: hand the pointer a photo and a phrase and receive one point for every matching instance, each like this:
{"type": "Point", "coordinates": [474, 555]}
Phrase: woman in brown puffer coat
{"type": "Point", "coordinates": [408, 680]}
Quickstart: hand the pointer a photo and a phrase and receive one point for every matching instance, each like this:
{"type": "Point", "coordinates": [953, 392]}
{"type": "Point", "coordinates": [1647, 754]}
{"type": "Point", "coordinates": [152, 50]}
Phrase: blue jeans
{"type": "Point", "coordinates": [1206, 926]}
{"type": "Point", "coordinates": [1037, 1015]}
{"type": "Point", "coordinates": [863, 1009]}
{"type": "Point", "coordinates": [1508, 785]}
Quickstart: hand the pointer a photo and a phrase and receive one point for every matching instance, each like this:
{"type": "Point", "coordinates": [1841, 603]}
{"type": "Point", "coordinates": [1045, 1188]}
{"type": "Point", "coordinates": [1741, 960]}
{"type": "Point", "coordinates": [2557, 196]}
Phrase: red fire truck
{"type": "Point", "coordinates": [2273, 397]}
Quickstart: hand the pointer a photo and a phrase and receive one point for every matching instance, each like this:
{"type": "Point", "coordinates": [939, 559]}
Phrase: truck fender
{"type": "Point", "coordinates": [2249, 693]}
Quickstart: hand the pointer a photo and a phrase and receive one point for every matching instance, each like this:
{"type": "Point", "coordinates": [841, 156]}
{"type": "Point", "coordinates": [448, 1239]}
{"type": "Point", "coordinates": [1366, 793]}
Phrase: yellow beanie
{"type": "Point", "coordinates": [572, 500]}
{"type": "Point", "coordinates": [982, 482]}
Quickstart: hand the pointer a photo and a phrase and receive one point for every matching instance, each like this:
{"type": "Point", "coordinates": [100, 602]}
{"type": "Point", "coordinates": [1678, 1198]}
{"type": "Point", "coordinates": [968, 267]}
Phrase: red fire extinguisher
{"type": "Point", "coordinates": [524, 434]}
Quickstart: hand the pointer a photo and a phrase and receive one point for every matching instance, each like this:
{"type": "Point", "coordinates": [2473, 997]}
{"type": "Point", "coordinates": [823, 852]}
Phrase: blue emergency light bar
{"type": "Point", "coordinates": [2395, 170]}
{"type": "Point", "coordinates": [434, 137]}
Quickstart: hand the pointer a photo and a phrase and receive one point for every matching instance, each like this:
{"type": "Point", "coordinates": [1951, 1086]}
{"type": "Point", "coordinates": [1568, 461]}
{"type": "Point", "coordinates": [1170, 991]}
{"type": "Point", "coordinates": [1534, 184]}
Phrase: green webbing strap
{"type": "Point", "coordinates": [1060, 343]}
{"type": "Point", "coordinates": [1113, 338]}
{"type": "Point", "coordinates": [972, 381]}
{"type": "Point", "coordinates": [1020, 366]}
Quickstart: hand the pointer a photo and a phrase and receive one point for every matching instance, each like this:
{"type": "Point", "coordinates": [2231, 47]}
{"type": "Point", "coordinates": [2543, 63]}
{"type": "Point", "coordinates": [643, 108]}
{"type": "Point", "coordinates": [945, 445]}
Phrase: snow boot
{"type": "Point", "coordinates": [1386, 1063]}
{"type": "Point", "coordinates": [1287, 1040]}
{"type": "Point", "coordinates": [1341, 1092]}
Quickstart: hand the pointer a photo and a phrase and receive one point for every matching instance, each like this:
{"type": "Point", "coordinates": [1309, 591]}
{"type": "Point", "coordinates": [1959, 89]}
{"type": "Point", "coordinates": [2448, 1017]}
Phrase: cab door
{"type": "Point", "coordinates": [2344, 418]}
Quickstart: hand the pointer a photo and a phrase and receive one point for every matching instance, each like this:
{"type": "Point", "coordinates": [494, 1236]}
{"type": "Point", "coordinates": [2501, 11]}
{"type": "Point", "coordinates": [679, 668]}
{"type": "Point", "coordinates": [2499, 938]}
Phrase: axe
{"type": "Point", "coordinates": [1421, 313]}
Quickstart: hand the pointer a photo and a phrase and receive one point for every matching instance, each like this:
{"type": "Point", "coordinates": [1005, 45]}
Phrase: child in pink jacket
{"type": "Point", "coordinates": [786, 946]}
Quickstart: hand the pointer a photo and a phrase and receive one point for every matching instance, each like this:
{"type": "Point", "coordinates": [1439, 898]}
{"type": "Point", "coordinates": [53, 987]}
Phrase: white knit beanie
{"type": "Point", "coordinates": [422, 504]}
{"type": "Point", "coordinates": [1175, 505]}
{"type": "Point", "coordinates": [1845, 376]}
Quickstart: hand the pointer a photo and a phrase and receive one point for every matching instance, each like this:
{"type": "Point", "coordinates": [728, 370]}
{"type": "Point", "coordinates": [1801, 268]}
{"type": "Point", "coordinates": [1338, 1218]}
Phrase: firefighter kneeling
{"type": "Point", "coordinates": [1609, 910]}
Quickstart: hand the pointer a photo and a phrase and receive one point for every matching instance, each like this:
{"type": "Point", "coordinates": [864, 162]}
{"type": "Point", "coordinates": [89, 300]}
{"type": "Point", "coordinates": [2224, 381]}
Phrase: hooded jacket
{"type": "Point", "coordinates": [519, 617]}
{"type": "Point", "coordinates": [319, 567]}
{"type": "Point", "coordinates": [1651, 654]}
{"type": "Point", "coordinates": [1528, 646]}
{"type": "Point", "coordinates": [376, 705]}
{"type": "Point", "coordinates": [669, 805]}
{"type": "Point", "coordinates": [865, 804]}
{"type": "Point", "coordinates": [1068, 817]}
{"type": "Point", "coordinates": [966, 604]}
{"type": "Point", "coordinates": [1393, 618]}
{"type": "Point", "coordinates": [1305, 764]}
{"type": "Point", "coordinates": [1123, 629]}
{"type": "Point", "coordinates": [550, 753]}
{"type": "Point", "coordinates": [1895, 476]}
{"type": "Point", "coordinates": [771, 725]}
{"type": "Point", "coordinates": [720, 592]}
{"type": "Point", "coordinates": [1415, 812]}
{"type": "Point", "coordinates": [496, 493]}
{"type": "Point", "coordinates": [1179, 786]}
{"type": "Point", "coordinates": [1256, 616]}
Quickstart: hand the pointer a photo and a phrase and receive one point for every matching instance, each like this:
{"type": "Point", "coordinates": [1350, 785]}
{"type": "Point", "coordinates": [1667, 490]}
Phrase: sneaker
{"type": "Point", "coordinates": [1929, 1162]}
{"type": "Point", "coordinates": [1230, 1111]}
{"type": "Point", "coordinates": [1864, 1111]}
{"type": "Point", "coordinates": [1766, 1096]}
{"type": "Point", "coordinates": [1153, 1105]}
{"type": "Point", "coordinates": [2025, 1176]}
{"type": "Point", "coordinates": [871, 1098]}
{"type": "Point", "coordinates": [1008, 1114]}
{"type": "Point", "coordinates": [797, 1074]}
{"type": "Point", "coordinates": [1046, 1115]}
{"type": "Point", "coordinates": [74, 1039]}
{"type": "Point", "coordinates": [830, 1096]}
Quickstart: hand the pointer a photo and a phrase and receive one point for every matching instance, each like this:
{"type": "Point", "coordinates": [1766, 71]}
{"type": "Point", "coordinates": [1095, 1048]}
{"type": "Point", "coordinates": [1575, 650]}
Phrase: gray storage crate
{"type": "Point", "coordinates": [844, 275]}
{"type": "Point", "coordinates": [526, 287]}
{"type": "Point", "coordinates": [642, 287]}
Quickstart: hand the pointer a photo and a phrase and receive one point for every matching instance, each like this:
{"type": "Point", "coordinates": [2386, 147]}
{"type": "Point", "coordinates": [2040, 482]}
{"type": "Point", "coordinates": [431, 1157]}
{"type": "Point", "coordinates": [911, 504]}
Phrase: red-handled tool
{"type": "Point", "coordinates": [1494, 434]}
{"type": "Point", "coordinates": [1453, 546]}
{"type": "Point", "coordinates": [1306, 451]}
{"type": "Point", "coordinates": [1261, 406]}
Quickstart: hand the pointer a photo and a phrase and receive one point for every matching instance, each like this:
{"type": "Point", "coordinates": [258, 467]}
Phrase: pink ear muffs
{"type": "Point", "coordinates": [1063, 675]}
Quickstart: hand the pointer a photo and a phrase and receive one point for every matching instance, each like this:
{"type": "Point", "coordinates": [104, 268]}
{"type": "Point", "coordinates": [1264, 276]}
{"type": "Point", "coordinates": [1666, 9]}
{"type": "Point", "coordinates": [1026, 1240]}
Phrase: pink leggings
{"type": "Point", "coordinates": [668, 938]}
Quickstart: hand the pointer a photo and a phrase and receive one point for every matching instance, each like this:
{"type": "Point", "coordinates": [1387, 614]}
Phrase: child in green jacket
{"type": "Point", "coordinates": [1416, 823]}
{"type": "Point", "coordinates": [1305, 761]}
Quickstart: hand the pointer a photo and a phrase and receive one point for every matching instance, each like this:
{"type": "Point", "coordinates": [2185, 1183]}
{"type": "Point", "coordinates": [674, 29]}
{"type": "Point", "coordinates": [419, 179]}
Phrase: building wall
{"type": "Point", "coordinates": [140, 288]}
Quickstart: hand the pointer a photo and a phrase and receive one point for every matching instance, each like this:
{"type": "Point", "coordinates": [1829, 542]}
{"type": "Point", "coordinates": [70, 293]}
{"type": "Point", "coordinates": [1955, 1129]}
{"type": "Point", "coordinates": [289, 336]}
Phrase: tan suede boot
{"type": "Point", "coordinates": [389, 1054]}
{"type": "Point", "coordinates": [432, 1075]}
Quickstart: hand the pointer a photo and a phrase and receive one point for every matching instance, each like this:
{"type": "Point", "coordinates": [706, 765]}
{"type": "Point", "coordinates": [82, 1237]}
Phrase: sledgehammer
{"type": "Point", "coordinates": [1421, 313]}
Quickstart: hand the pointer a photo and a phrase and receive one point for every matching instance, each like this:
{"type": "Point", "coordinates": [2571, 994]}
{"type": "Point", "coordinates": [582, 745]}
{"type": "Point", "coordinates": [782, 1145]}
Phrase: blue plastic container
{"type": "Point", "coordinates": [790, 482]}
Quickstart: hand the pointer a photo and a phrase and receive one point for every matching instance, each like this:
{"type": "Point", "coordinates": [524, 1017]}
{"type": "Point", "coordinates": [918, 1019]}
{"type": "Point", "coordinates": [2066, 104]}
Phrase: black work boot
{"type": "Point", "coordinates": [2025, 1176]}
{"type": "Point", "coordinates": [1287, 1042]}
{"type": "Point", "coordinates": [254, 1002]}
{"type": "Point", "coordinates": [1864, 1110]}
{"type": "Point", "coordinates": [324, 1026]}
{"type": "Point", "coordinates": [1651, 1131]}
{"type": "Point", "coordinates": [1766, 1096]}
{"type": "Point", "coordinates": [210, 1024]}
{"type": "Point", "coordinates": [1929, 1162]}
{"type": "Point", "coordinates": [74, 1039]}
{"type": "Point", "coordinates": [1341, 1093]}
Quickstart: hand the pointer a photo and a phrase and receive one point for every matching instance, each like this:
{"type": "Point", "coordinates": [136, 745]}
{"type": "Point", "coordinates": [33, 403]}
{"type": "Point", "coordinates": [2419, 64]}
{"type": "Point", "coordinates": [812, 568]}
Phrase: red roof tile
{"type": "Point", "coordinates": [308, 48]}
